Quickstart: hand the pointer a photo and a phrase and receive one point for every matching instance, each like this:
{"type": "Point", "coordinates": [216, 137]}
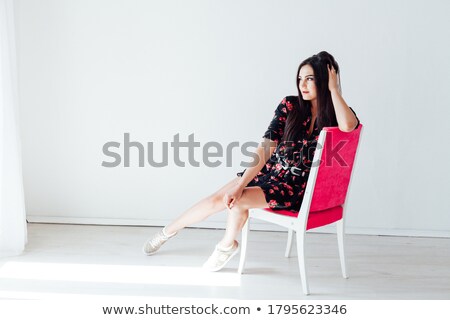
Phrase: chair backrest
{"type": "Point", "coordinates": [335, 167]}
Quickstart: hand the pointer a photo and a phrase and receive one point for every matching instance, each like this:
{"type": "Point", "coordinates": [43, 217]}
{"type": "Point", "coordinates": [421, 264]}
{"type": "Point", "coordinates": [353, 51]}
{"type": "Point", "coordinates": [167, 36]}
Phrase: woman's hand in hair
{"type": "Point", "coordinates": [332, 79]}
{"type": "Point", "coordinates": [345, 117]}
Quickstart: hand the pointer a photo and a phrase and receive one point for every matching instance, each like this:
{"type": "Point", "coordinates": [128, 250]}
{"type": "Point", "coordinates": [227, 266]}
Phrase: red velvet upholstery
{"type": "Point", "coordinates": [315, 219]}
{"type": "Point", "coordinates": [333, 178]}
{"type": "Point", "coordinates": [338, 156]}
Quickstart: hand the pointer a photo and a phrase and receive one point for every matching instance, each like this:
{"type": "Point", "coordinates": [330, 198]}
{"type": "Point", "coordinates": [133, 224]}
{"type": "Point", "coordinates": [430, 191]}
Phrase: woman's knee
{"type": "Point", "coordinates": [216, 200]}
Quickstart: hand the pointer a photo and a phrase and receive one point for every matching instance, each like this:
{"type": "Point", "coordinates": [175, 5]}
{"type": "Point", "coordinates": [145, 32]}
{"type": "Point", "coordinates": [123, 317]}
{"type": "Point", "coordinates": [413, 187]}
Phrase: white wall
{"type": "Point", "coordinates": [92, 70]}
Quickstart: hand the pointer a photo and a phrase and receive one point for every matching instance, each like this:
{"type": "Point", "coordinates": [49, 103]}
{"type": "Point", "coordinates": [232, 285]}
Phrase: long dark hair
{"type": "Point", "coordinates": [326, 116]}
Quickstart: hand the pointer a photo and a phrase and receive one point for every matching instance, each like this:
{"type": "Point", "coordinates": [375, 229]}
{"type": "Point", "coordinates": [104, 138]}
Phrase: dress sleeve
{"type": "Point", "coordinates": [275, 130]}
{"type": "Point", "coordinates": [357, 125]}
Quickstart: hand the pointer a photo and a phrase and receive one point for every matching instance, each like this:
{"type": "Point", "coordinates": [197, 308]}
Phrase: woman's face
{"type": "Point", "coordinates": [307, 84]}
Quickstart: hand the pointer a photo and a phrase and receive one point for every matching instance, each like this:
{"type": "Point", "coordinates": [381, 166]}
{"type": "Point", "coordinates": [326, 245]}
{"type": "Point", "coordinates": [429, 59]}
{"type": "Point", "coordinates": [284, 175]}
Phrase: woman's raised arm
{"type": "Point", "coordinates": [345, 117]}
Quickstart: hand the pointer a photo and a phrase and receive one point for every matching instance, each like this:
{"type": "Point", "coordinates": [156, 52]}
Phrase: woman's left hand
{"type": "Point", "coordinates": [332, 79]}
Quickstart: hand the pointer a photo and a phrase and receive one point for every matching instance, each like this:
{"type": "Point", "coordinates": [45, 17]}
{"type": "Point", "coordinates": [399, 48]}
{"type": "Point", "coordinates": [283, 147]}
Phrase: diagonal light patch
{"type": "Point", "coordinates": [118, 274]}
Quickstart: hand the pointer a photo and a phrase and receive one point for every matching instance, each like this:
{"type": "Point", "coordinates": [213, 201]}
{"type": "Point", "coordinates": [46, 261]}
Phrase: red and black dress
{"type": "Point", "coordinates": [283, 178]}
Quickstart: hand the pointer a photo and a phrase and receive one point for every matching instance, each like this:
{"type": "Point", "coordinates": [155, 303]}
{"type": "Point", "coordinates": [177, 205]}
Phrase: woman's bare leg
{"type": "Point", "coordinates": [252, 197]}
{"type": "Point", "coordinates": [202, 209]}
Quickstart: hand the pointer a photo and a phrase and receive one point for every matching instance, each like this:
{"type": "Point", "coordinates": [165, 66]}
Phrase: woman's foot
{"type": "Point", "coordinates": [154, 243]}
{"type": "Point", "coordinates": [220, 257]}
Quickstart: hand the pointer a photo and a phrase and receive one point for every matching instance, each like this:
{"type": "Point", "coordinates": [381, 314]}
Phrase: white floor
{"type": "Point", "coordinates": [107, 261]}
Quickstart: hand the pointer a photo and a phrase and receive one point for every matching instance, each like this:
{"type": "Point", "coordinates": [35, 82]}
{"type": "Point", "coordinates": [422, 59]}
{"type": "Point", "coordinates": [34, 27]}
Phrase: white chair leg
{"type": "Point", "coordinates": [244, 240]}
{"type": "Point", "coordinates": [340, 238]}
{"type": "Point", "coordinates": [301, 260]}
{"type": "Point", "coordinates": [287, 254]}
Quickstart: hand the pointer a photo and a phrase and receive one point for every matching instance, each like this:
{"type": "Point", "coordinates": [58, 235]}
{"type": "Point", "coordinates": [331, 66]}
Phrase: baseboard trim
{"type": "Point", "coordinates": [255, 225]}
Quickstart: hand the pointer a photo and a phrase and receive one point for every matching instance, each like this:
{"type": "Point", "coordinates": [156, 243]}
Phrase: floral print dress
{"type": "Point", "coordinates": [283, 178]}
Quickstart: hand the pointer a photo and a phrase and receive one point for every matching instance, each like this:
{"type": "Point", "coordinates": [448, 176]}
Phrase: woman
{"type": "Point", "coordinates": [278, 179]}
